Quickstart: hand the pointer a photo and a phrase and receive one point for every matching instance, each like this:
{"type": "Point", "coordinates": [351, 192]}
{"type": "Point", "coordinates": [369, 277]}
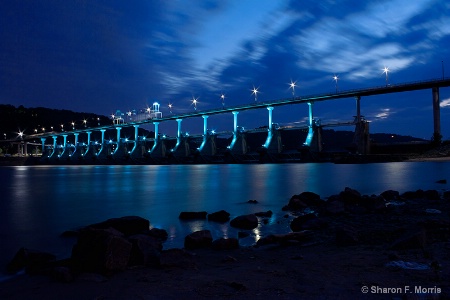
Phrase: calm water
{"type": "Point", "coordinates": [40, 202]}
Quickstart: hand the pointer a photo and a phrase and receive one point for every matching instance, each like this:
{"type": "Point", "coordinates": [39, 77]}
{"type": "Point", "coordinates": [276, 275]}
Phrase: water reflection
{"type": "Point", "coordinates": [38, 203]}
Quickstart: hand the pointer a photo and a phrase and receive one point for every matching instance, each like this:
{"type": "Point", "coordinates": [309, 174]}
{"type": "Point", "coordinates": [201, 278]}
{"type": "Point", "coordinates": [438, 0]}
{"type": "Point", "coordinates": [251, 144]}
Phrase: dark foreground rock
{"type": "Point", "coordinates": [249, 221]}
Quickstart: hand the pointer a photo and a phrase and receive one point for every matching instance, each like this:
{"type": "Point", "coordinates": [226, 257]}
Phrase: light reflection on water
{"type": "Point", "coordinates": [38, 203]}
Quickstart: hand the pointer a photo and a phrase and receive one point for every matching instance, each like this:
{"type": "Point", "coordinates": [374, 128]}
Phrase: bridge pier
{"type": "Point", "coordinates": [43, 154]}
{"type": "Point", "coordinates": [182, 147]}
{"type": "Point", "coordinates": [273, 141]}
{"type": "Point", "coordinates": [121, 148]}
{"type": "Point", "coordinates": [310, 135]}
{"type": "Point", "coordinates": [238, 144]}
{"type": "Point", "coordinates": [159, 148]}
{"type": "Point", "coordinates": [437, 137]}
{"type": "Point", "coordinates": [361, 138]}
{"type": "Point", "coordinates": [54, 154]}
{"type": "Point", "coordinates": [88, 151]}
{"type": "Point", "coordinates": [76, 151]}
{"type": "Point", "coordinates": [208, 146]}
{"type": "Point", "coordinates": [103, 152]}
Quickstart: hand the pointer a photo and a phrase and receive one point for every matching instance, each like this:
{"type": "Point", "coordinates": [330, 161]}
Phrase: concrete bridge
{"type": "Point", "coordinates": [156, 147]}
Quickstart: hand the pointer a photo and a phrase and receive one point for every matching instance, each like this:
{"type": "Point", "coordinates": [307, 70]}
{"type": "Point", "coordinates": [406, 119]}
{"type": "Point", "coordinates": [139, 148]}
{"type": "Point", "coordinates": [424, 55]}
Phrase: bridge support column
{"type": "Point", "coordinates": [310, 135]}
{"type": "Point", "coordinates": [273, 141]}
{"type": "Point", "coordinates": [135, 151]}
{"type": "Point", "coordinates": [75, 152]}
{"type": "Point", "coordinates": [25, 145]}
{"type": "Point", "coordinates": [119, 146]}
{"type": "Point", "coordinates": [159, 148]}
{"type": "Point", "coordinates": [238, 144]}
{"type": "Point", "coordinates": [182, 147]}
{"type": "Point", "coordinates": [88, 149]}
{"type": "Point", "coordinates": [361, 138]}
{"type": "Point", "coordinates": [43, 147]}
{"type": "Point", "coordinates": [53, 154]}
{"type": "Point", "coordinates": [208, 146]}
{"type": "Point", "coordinates": [103, 152]}
{"type": "Point", "coordinates": [436, 116]}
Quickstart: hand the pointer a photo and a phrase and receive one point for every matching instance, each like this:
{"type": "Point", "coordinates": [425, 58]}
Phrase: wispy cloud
{"type": "Point", "coordinates": [445, 103]}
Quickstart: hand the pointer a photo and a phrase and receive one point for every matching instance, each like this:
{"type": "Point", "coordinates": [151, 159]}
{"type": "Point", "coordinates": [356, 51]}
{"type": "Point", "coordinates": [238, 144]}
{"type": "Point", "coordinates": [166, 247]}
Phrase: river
{"type": "Point", "coordinates": [38, 203]}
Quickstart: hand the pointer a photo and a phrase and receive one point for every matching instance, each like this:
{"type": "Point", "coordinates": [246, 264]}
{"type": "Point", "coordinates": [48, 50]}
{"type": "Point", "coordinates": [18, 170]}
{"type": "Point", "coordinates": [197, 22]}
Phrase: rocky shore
{"type": "Point", "coordinates": [388, 246]}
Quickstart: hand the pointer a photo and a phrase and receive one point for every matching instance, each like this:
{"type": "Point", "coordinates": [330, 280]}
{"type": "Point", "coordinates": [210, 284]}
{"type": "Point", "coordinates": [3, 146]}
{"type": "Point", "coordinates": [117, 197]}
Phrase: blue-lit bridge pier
{"type": "Point", "coordinates": [139, 148]}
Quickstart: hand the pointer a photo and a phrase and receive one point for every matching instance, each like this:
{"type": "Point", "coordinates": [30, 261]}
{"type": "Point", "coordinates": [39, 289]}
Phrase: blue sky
{"type": "Point", "coordinates": [100, 56]}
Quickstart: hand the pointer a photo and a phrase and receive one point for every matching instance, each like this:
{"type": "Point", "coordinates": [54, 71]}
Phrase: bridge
{"type": "Point", "coordinates": [139, 146]}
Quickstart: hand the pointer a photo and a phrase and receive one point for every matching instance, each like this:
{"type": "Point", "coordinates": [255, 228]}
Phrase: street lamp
{"type": "Point", "coordinates": [292, 86]}
{"type": "Point", "coordinates": [385, 71]}
{"type": "Point", "coordinates": [62, 127]}
{"type": "Point", "coordinates": [85, 122]}
{"type": "Point", "coordinates": [222, 97]}
{"type": "Point", "coordinates": [195, 101]}
{"type": "Point", "coordinates": [336, 78]}
{"type": "Point", "coordinates": [170, 107]}
{"type": "Point", "coordinates": [73, 125]}
{"type": "Point", "coordinates": [255, 93]}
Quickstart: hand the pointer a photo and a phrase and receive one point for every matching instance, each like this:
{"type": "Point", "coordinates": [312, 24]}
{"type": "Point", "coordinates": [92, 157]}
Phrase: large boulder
{"type": "Point", "coordinates": [128, 225]}
{"type": "Point", "coordinates": [221, 216]}
{"type": "Point", "coordinates": [350, 196]}
{"type": "Point", "coordinates": [390, 195]}
{"type": "Point", "coordinates": [31, 260]}
{"type": "Point", "coordinates": [303, 200]}
{"type": "Point", "coordinates": [198, 239]}
{"type": "Point", "coordinates": [346, 236]}
{"type": "Point", "coordinates": [146, 250]}
{"type": "Point", "coordinates": [160, 234]}
{"type": "Point", "coordinates": [296, 224]}
{"type": "Point", "coordinates": [193, 215]}
{"type": "Point", "coordinates": [101, 250]}
{"type": "Point", "coordinates": [245, 222]}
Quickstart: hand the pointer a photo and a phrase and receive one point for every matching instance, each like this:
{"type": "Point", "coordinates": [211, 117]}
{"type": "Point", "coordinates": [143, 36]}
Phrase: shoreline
{"type": "Point", "coordinates": [399, 246]}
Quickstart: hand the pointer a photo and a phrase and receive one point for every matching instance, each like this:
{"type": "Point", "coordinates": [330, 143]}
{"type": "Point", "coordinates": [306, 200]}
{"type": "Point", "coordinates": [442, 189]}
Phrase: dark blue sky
{"type": "Point", "coordinates": [100, 56]}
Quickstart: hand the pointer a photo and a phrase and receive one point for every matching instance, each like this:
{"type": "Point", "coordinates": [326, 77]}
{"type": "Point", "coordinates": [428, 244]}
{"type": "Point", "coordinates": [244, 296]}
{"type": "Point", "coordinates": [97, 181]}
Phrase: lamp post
{"type": "Point", "coordinates": [336, 78]}
{"type": "Point", "coordinates": [195, 101]}
{"type": "Point", "coordinates": [255, 93]}
{"type": "Point", "coordinates": [385, 71]}
{"type": "Point", "coordinates": [222, 97]}
{"type": "Point", "coordinates": [292, 86]}
{"type": "Point", "coordinates": [170, 107]}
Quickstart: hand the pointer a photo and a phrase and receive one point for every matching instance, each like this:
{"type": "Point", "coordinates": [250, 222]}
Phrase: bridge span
{"type": "Point", "coordinates": [139, 146]}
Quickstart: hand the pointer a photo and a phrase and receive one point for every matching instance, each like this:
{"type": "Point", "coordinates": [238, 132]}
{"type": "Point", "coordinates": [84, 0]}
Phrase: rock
{"type": "Point", "coordinates": [350, 196]}
{"type": "Point", "coordinates": [390, 195]}
{"type": "Point", "coordinates": [128, 225]}
{"type": "Point", "coordinates": [145, 251]}
{"type": "Point", "coordinates": [225, 244]}
{"type": "Point", "coordinates": [30, 260]}
{"type": "Point", "coordinates": [302, 236]}
{"type": "Point", "coordinates": [410, 240]}
{"type": "Point", "coordinates": [334, 207]}
{"type": "Point", "coordinates": [62, 274]}
{"type": "Point", "coordinates": [245, 222]}
{"type": "Point", "coordinates": [176, 258]}
{"type": "Point", "coordinates": [198, 239]}
{"type": "Point", "coordinates": [193, 215]}
{"type": "Point", "coordinates": [220, 216]}
{"type": "Point", "coordinates": [266, 214]}
{"type": "Point", "coordinates": [101, 250]}
{"type": "Point", "coordinates": [295, 203]}
{"type": "Point", "coordinates": [374, 203]}
{"type": "Point", "coordinates": [432, 195]}
{"type": "Point", "coordinates": [160, 234]}
{"type": "Point", "coordinates": [446, 195]}
{"type": "Point", "coordinates": [346, 236]}
{"type": "Point", "coordinates": [410, 195]}
{"type": "Point", "coordinates": [297, 223]}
